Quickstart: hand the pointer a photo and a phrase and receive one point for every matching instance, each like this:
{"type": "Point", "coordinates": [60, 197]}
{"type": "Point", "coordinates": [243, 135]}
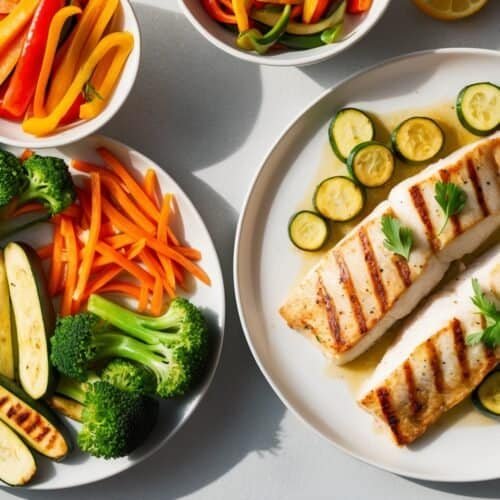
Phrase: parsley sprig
{"type": "Point", "coordinates": [491, 334]}
{"type": "Point", "coordinates": [451, 199]}
{"type": "Point", "coordinates": [90, 93]}
{"type": "Point", "coordinates": [398, 238]}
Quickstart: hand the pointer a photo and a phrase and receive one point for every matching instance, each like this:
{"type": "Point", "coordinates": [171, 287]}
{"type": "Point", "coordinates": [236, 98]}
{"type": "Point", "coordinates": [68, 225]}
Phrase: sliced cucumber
{"type": "Point", "coordinates": [34, 318]}
{"type": "Point", "coordinates": [417, 140]}
{"type": "Point", "coordinates": [348, 128]}
{"type": "Point", "coordinates": [33, 421]}
{"type": "Point", "coordinates": [478, 108]}
{"type": "Point", "coordinates": [308, 230]}
{"type": "Point", "coordinates": [371, 164]}
{"type": "Point", "coordinates": [7, 351]}
{"type": "Point", "coordinates": [486, 397]}
{"type": "Point", "coordinates": [339, 198]}
{"type": "Point", "coordinates": [17, 464]}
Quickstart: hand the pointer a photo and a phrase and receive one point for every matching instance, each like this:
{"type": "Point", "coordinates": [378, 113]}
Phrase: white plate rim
{"type": "Point", "coordinates": [203, 388]}
{"type": "Point", "coordinates": [237, 264]}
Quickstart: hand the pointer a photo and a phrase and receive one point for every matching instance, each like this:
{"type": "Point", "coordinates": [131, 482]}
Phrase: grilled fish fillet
{"type": "Point", "coordinates": [429, 369]}
{"type": "Point", "coordinates": [359, 289]}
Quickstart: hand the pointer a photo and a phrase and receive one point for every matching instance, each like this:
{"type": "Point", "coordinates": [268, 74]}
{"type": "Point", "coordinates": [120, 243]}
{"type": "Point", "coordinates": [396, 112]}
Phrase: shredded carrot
{"type": "Point", "coordinates": [151, 187]}
{"type": "Point", "coordinates": [104, 277]}
{"type": "Point", "coordinates": [122, 287]}
{"type": "Point", "coordinates": [56, 264]}
{"type": "Point", "coordinates": [26, 154]}
{"type": "Point", "coordinates": [190, 253]}
{"type": "Point", "coordinates": [68, 232]}
{"type": "Point", "coordinates": [118, 241]}
{"type": "Point", "coordinates": [156, 270]}
{"type": "Point", "coordinates": [143, 299]}
{"type": "Point", "coordinates": [29, 207]}
{"type": "Point", "coordinates": [157, 298]}
{"type": "Point", "coordinates": [86, 167]}
{"type": "Point", "coordinates": [72, 211]}
{"type": "Point", "coordinates": [93, 238]}
{"type": "Point", "coordinates": [45, 252]}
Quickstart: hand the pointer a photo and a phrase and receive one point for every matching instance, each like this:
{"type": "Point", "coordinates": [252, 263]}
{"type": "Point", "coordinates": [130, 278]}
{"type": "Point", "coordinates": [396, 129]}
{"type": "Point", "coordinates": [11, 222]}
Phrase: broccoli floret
{"type": "Point", "coordinates": [129, 376]}
{"type": "Point", "coordinates": [12, 178]}
{"type": "Point", "coordinates": [175, 355]}
{"type": "Point", "coordinates": [114, 422]}
{"type": "Point", "coordinates": [49, 182]}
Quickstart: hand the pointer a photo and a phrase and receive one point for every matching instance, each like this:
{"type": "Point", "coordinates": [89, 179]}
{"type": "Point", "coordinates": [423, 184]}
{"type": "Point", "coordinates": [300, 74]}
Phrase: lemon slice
{"type": "Point", "coordinates": [450, 10]}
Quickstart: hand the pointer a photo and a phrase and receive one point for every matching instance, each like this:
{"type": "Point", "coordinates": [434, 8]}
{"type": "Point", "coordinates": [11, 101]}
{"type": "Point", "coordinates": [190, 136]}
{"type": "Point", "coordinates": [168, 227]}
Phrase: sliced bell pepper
{"type": "Point", "coordinates": [23, 82]}
{"type": "Point", "coordinates": [270, 18]}
{"type": "Point", "coordinates": [44, 126]}
{"type": "Point", "coordinates": [11, 55]}
{"type": "Point", "coordinates": [358, 6]}
{"type": "Point", "coordinates": [304, 42]}
{"type": "Point", "coordinates": [7, 6]}
{"type": "Point", "coordinates": [215, 11]}
{"type": "Point", "coordinates": [13, 24]}
{"type": "Point", "coordinates": [321, 9]}
{"type": "Point", "coordinates": [253, 39]}
{"type": "Point", "coordinates": [240, 11]}
{"type": "Point", "coordinates": [56, 28]}
{"type": "Point", "coordinates": [73, 114]}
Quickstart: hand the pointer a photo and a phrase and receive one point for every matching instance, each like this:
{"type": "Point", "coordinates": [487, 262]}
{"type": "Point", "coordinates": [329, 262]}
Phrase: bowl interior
{"type": "Point", "coordinates": [11, 133]}
{"type": "Point", "coordinates": [355, 26]}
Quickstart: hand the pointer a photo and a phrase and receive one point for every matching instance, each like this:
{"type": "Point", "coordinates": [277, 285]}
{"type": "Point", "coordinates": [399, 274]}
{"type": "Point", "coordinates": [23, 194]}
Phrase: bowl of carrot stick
{"type": "Point", "coordinates": [65, 70]}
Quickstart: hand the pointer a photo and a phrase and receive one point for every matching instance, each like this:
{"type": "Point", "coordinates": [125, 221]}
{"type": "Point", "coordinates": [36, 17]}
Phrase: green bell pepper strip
{"type": "Point", "coordinates": [253, 39]}
{"type": "Point", "coordinates": [270, 18]}
{"type": "Point", "coordinates": [330, 35]}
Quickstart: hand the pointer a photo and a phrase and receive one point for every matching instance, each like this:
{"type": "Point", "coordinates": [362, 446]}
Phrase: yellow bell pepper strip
{"type": "Point", "coordinates": [254, 40]}
{"type": "Point", "coordinates": [46, 125]}
{"type": "Point", "coordinates": [65, 73]}
{"type": "Point", "coordinates": [56, 28]}
{"type": "Point", "coordinates": [14, 23]}
{"type": "Point", "coordinates": [240, 11]}
{"type": "Point", "coordinates": [97, 32]}
{"type": "Point", "coordinates": [96, 105]}
{"type": "Point", "coordinates": [269, 18]}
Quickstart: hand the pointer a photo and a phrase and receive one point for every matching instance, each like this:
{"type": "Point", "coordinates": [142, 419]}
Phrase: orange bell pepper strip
{"type": "Point", "coordinates": [46, 125]}
{"type": "Point", "coordinates": [14, 23]}
{"type": "Point", "coordinates": [240, 11]}
{"type": "Point", "coordinates": [9, 58]}
{"type": "Point", "coordinates": [56, 27]}
{"type": "Point", "coordinates": [215, 11]}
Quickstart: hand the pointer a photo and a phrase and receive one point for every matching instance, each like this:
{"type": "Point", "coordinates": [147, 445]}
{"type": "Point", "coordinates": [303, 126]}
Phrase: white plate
{"type": "Point", "coordinates": [266, 266]}
{"type": "Point", "coordinates": [79, 468]}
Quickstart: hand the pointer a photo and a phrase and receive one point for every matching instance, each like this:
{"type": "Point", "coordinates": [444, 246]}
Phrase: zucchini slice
{"type": "Point", "coordinates": [348, 128]}
{"type": "Point", "coordinates": [371, 164]}
{"type": "Point", "coordinates": [7, 350]}
{"type": "Point", "coordinates": [66, 407]}
{"type": "Point", "coordinates": [34, 318]}
{"type": "Point", "coordinates": [418, 139]}
{"type": "Point", "coordinates": [478, 108]}
{"type": "Point", "coordinates": [17, 464]}
{"type": "Point", "coordinates": [33, 421]}
{"type": "Point", "coordinates": [486, 397]}
{"type": "Point", "coordinates": [308, 230]}
{"type": "Point", "coordinates": [339, 199]}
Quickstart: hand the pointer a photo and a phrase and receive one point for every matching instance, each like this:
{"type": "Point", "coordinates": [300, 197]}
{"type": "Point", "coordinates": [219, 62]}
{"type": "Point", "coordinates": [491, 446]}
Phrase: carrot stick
{"type": "Point", "coordinates": [162, 236]}
{"type": "Point", "coordinates": [157, 298]}
{"type": "Point", "coordinates": [143, 299]}
{"type": "Point", "coordinates": [190, 253]}
{"type": "Point", "coordinates": [68, 232]}
{"type": "Point", "coordinates": [45, 252]}
{"type": "Point", "coordinates": [118, 241]}
{"type": "Point", "coordinates": [95, 229]}
{"type": "Point", "coordinates": [104, 277]}
{"type": "Point", "coordinates": [72, 211]}
{"type": "Point", "coordinates": [155, 269]}
{"type": "Point", "coordinates": [151, 187]}
{"type": "Point", "coordinates": [122, 287]}
{"type": "Point", "coordinates": [87, 168]}
{"type": "Point", "coordinates": [29, 207]}
{"type": "Point", "coordinates": [56, 264]}
{"type": "Point", "coordinates": [26, 154]}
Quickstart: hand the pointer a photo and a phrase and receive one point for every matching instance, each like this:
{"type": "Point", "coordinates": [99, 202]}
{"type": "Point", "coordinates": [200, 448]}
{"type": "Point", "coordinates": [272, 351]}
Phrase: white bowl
{"type": "Point", "coordinates": [12, 134]}
{"type": "Point", "coordinates": [355, 27]}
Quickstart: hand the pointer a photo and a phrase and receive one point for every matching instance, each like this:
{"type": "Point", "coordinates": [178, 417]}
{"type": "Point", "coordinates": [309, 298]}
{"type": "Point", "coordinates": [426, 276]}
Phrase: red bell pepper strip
{"type": "Point", "coordinates": [73, 114]}
{"type": "Point", "coordinates": [215, 11]}
{"type": "Point", "coordinates": [23, 82]}
{"type": "Point", "coordinates": [358, 6]}
{"type": "Point", "coordinates": [4, 114]}
{"type": "Point", "coordinates": [320, 10]}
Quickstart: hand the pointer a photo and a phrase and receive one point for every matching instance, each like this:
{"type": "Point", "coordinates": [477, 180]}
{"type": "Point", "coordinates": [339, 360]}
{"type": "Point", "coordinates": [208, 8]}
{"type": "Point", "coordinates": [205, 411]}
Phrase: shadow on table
{"type": "Point", "coordinates": [482, 489]}
{"type": "Point", "coordinates": [392, 37]}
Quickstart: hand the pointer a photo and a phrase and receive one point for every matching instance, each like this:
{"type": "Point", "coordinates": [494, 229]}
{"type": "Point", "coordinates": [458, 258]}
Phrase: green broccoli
{"type": "Point", "coordinates": [176, 354]}
{"type": "Point", "coordinates": [12, 177]}
{"type": "Point", "coordinates": [114, 422]}
{"type": "Point", "coordinates": [129, 376]}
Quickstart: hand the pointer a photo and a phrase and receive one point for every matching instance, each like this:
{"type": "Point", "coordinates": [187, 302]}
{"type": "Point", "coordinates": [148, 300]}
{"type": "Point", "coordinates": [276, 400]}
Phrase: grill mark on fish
{"type": "Point", "coordinates": [403, 269]}
{"type": "Point", "coordinates": [415, 405]}
{"type": "Point", "coordinates": [460, 348]}
{"type": "Point", "coordinates": [423, 212]}
{"type": "Point", "coordinates": [435, 362]}
{"type": "Point", "coordinates": [331, 313]}
{"type": "Point", "coordinates": [478, 189]}
{"type": "Point", "coordinates": [373, 269]}
{"type": "Point", "coordinates": [345, 279]}
{"type": "Point", "coordinates": [385, 401]}
{"type": "Point", "coordinates": [454, 219]}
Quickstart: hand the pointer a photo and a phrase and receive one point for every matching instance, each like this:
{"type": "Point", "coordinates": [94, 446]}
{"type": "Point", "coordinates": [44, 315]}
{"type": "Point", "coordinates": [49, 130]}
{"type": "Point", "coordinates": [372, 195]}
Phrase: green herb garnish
{"type": "Point", "coordinates": [491, 334]}
{"type": "Point", "coordinates": [398, 238]}
{"type": "Point", "coordinates": [451, 199]}
{"type": "Point", "coordinates": [90, 93]}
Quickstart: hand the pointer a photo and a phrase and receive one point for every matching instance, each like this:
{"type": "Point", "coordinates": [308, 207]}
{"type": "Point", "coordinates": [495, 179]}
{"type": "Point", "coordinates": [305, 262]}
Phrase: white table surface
{"type": "Point", "coordinates": [209, 120]}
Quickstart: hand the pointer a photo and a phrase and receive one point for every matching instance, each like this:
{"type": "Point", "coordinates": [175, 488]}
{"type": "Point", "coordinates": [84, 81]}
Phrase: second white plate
{"type": "Point", "coordinates": [266, 266]}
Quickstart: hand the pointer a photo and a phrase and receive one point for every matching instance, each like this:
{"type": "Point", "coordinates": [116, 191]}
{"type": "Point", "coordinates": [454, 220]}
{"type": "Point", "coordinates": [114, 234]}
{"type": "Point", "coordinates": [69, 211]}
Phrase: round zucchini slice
{"type": "Point", "coordinates": [348, 128]}
{"type": "Point", "coordinates": [478, 108]}
{"type": "Point", "coordinates": [486, 397]}
{"type": "Point", "coordinates": [339, 199]}
{"type": "Point", "coordinates": [308, 230]}
{"type": "Point", "coordinates": [417, 140]}
{"type": "Point", "coordinates": [371, 164]}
